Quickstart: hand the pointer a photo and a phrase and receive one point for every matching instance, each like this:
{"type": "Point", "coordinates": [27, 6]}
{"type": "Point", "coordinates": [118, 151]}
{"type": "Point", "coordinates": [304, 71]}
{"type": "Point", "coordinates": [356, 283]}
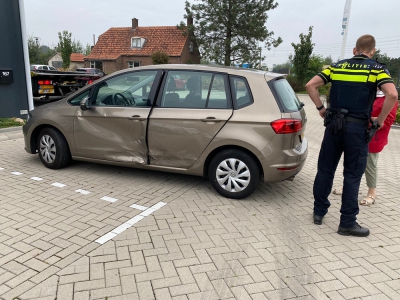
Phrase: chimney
{"type": "Point", "coordinates": [135, 23]}
{"type": "Point", "coordinates": [189, 21]}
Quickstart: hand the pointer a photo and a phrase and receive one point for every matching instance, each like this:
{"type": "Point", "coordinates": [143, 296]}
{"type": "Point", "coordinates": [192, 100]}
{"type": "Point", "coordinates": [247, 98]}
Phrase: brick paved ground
{"type": "Point", "coordinates": [199, 245]}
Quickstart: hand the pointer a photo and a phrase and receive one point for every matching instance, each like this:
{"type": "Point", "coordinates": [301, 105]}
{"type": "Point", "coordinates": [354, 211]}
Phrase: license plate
{"type": "Point", "coordinates": [42, 87]}
{"type": "Point", "coordinates": [48, 91]}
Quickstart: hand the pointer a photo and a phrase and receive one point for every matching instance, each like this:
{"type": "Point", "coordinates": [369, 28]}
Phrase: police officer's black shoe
{"type": "Point", "coordinates": [318, 219]}
{"type": "Point", "coordinates": [357, 230]}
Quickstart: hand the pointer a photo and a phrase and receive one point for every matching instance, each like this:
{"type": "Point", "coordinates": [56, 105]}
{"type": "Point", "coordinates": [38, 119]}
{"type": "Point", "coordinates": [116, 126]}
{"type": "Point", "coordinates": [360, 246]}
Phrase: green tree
{"type": "Point", "coordinates": [38, 54]}
{"type": "Point", "coordinates": [87, 50]}
{"type": "Point", "coordinates": [392, 64]}
{"type": "Point", "coordinates": [159, 57]}
{"type": "Point", "coordinates": [65, 47]}
{"type": "Point", "coordinates": [282, 68]}
{"type": "Point", "coordinates": [302, 54]}
{"type": "Point", "coordinates": [328, 60]}
{"type": "Point", "coordinates": [315, 64]}
{"type": "Point", "coordinates": [229, 31]}
{"type": "Point", "coordinates": [77, 47]}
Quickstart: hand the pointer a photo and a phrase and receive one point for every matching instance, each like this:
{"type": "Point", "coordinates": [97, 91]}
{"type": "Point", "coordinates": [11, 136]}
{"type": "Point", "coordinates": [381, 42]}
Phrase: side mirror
{"type": "Point", "coordinates": [84, 104]}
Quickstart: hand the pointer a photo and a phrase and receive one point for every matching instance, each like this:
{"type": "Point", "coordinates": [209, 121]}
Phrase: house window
{"type": "Point", "coordinates": [133, 64]}
{"type": "Point", "coordinates": [190, 47]}
{"type": "Point", "coordinates": [137, 42]}
{"type": "Point", "coordinates": [93, 64]}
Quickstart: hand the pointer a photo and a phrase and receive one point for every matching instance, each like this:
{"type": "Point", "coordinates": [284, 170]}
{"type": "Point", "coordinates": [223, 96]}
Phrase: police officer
{"type": "Point", "coordinates": [354, 83]}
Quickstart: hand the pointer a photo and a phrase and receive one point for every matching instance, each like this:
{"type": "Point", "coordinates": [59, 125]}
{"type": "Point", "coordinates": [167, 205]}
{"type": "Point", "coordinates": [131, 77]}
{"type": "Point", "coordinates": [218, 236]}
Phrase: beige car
{"type": "Point", "coordinates": [231, 125]}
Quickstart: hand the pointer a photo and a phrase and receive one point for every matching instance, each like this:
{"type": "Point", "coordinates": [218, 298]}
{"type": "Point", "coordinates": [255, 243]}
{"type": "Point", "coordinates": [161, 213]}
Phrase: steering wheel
{"type": "Point", "coordinates": [119, 99]}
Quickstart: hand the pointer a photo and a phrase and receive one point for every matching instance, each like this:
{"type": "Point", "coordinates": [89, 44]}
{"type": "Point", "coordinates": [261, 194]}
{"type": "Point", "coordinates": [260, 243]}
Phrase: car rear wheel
{"type": "Point", "coordinates": [53, 149]}
{"type": "Point", "coordinates": [234, 174]}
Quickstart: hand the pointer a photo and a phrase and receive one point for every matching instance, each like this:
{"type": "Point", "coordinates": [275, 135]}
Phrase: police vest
{"type": "Point", "coordinates": [354, 83]}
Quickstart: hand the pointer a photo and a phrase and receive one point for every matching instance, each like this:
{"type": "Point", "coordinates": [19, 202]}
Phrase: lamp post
{"type": "Point", "coordinates": [37, 45]}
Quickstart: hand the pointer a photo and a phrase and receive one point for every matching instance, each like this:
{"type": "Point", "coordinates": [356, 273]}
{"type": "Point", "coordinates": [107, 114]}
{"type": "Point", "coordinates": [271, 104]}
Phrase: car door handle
{"type": "Point", "coordinates": [211, 119]}
{"type": "Point", "coordinates": [137, 118]}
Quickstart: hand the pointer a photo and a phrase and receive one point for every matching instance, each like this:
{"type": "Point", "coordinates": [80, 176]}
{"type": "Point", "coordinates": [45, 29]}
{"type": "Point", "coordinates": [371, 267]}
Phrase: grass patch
{"type": "Point", "coordinates": [9, 122]}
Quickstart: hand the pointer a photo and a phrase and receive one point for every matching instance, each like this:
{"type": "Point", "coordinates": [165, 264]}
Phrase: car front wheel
{"type": "Point", "coordinates": [234, 174]}
{"type": "Point", "coordinates": [53, 149]}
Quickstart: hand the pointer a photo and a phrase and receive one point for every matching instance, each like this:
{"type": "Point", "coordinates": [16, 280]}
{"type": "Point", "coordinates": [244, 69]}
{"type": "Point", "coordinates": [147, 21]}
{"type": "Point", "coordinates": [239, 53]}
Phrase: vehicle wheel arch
{"type": "Point", "coordinates": [212, 154]}
{"type": "Point", "coordinates": [35, 134]}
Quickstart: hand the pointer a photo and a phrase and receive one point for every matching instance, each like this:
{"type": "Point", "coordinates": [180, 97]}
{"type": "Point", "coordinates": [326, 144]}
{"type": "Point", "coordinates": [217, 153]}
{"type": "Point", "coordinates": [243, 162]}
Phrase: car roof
{"type": "Point", "coordinates": [210, 68]}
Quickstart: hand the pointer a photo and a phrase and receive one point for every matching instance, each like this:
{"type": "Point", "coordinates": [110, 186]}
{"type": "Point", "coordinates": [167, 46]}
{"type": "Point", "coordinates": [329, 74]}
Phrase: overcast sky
{"type": "Point", "coordinates": [85, 18]}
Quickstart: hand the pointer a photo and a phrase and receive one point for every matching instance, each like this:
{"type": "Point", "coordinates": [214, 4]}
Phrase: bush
{"type": "Point", "coordinates": [159, 58]}
{"type": "Point", "coordinates": [11, 122]}
{"type": "Point", "coordinates": [398, 116]}
{"type": "Point", "coordinates": [295, 84]}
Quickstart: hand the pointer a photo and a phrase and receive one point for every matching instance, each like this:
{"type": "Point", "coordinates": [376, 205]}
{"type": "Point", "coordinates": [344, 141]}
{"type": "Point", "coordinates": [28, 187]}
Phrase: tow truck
{"type": "Point", "coordinates": [46, 83]}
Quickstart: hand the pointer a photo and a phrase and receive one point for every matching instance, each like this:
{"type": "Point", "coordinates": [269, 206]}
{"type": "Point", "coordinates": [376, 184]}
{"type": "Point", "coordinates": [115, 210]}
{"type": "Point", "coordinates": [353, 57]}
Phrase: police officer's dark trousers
{"type": "Point", "coordinates": [352, 142]}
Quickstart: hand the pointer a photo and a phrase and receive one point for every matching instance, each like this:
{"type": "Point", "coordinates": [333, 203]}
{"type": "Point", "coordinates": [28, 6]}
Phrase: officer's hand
{"type": "Point", "coordinates": [380, 123]}
{"type": "Point", "coordinates": [322, 113]}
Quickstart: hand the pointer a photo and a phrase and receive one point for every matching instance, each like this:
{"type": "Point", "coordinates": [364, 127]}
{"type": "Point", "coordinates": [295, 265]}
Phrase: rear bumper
{"type": "Point", "coordinates": [291, 164]}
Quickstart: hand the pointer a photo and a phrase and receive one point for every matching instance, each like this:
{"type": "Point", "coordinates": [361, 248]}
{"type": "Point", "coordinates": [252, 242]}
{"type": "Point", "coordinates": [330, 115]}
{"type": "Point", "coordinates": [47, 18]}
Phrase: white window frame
{"type": "Point", "coordinates": [137, 42]}
{"type": "Point", "coordinates": [131, 64]}
{"type": "Point", "coordinates": [92, 64]}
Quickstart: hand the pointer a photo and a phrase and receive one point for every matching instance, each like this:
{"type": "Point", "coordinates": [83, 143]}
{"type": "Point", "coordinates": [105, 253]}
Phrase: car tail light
{"type": "Point", "coordinates": [285, 126]}
{"type": "Point", "coordinates": [45, 82]}
{"type": "Point", "coordinates": [90, 82]}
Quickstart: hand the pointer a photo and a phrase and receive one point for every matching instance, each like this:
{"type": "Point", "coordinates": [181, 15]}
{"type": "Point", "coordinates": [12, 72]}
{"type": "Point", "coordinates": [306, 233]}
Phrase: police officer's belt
{"type": "Point", "coordinates": [363, 122]}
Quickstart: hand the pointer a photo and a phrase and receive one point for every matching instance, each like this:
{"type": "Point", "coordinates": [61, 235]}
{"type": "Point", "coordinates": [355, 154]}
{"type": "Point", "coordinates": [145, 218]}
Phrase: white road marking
{"type": "Point", "coordinates": [36, 178]}
{"type": "Point", "coordinates": [57, 184]}
{"type": "Point", "coordinates": [134, 220]}
{"type": "Point", "coordinates": [121, 228]}
{"type": "Point", "coordinates": [109, 199]}
{"type": "Point", "coordinates": [106, 238]}
{"type": "Point", "coordinates": [83, 192]}
{"type": "Point", "coordinates": [139, 207]}
{"type": "Point", "coordinates": [146, 211]}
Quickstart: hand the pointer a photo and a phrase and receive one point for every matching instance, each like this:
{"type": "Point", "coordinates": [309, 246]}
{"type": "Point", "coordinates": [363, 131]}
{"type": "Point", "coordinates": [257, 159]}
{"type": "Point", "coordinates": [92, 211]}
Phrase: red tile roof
{"type": "Point", "coordinates": [76, 57]}
{"type": "Point", "coordinates": [117, 41]}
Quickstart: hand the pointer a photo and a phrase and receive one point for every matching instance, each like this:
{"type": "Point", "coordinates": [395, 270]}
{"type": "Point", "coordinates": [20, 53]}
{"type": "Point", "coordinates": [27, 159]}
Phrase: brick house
{"type": "Point", "coordinates": [128, 47]}
{"type": "Point", "coordinates": [76, 61]}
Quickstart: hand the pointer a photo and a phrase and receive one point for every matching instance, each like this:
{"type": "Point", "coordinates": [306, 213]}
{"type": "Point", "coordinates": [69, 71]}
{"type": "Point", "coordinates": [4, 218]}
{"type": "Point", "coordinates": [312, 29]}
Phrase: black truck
{"type": "Point", "coordinates": [46, 83]}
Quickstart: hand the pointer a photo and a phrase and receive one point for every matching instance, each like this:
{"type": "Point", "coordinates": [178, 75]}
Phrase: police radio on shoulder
{"type": "Point", "coordinates": [321, 107]}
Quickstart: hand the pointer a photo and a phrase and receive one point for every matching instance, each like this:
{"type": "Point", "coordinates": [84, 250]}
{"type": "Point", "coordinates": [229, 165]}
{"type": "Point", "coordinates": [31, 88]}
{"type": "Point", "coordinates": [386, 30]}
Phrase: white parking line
{"type": "Point", "coordinates": [83, 192]}
{"type": "Point", "coordinates": [109, 199]}
{"type": "Point", "coordinates": [57, 184]}
{"type": "Point", "coordinates": [139, 207]}
{"type": "Point", "coordinates": [36, 178]}
{"type": "Point", "coordinates": [121, 228]}
{"type": "Point", "coordinates": [17, 173]}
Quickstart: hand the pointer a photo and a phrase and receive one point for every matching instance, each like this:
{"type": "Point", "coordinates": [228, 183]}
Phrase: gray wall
{"type": "Point", "coordinates": [13, 96]}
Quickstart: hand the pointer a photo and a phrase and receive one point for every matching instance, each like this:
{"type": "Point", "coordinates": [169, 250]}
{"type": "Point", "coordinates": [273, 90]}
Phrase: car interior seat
{"type": "Point", "coordinates": [193, 99]}
{"type": "Point", "coordinates": [171, 98]}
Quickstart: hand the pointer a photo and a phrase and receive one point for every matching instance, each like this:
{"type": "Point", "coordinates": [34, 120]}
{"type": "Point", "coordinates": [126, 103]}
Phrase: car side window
{"type": "Point", "coordinates": [129, 89]}
{"type": "Point", "coordinates": [240, 92]}
{"type": "Point", "coordinates": [77, 100]}
{"type": "Point", "coordinates": [190, 89]}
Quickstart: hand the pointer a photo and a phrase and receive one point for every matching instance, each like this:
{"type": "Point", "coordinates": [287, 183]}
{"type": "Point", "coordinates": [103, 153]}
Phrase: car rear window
{"type": "Point", "coordinates": [286, 96]}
